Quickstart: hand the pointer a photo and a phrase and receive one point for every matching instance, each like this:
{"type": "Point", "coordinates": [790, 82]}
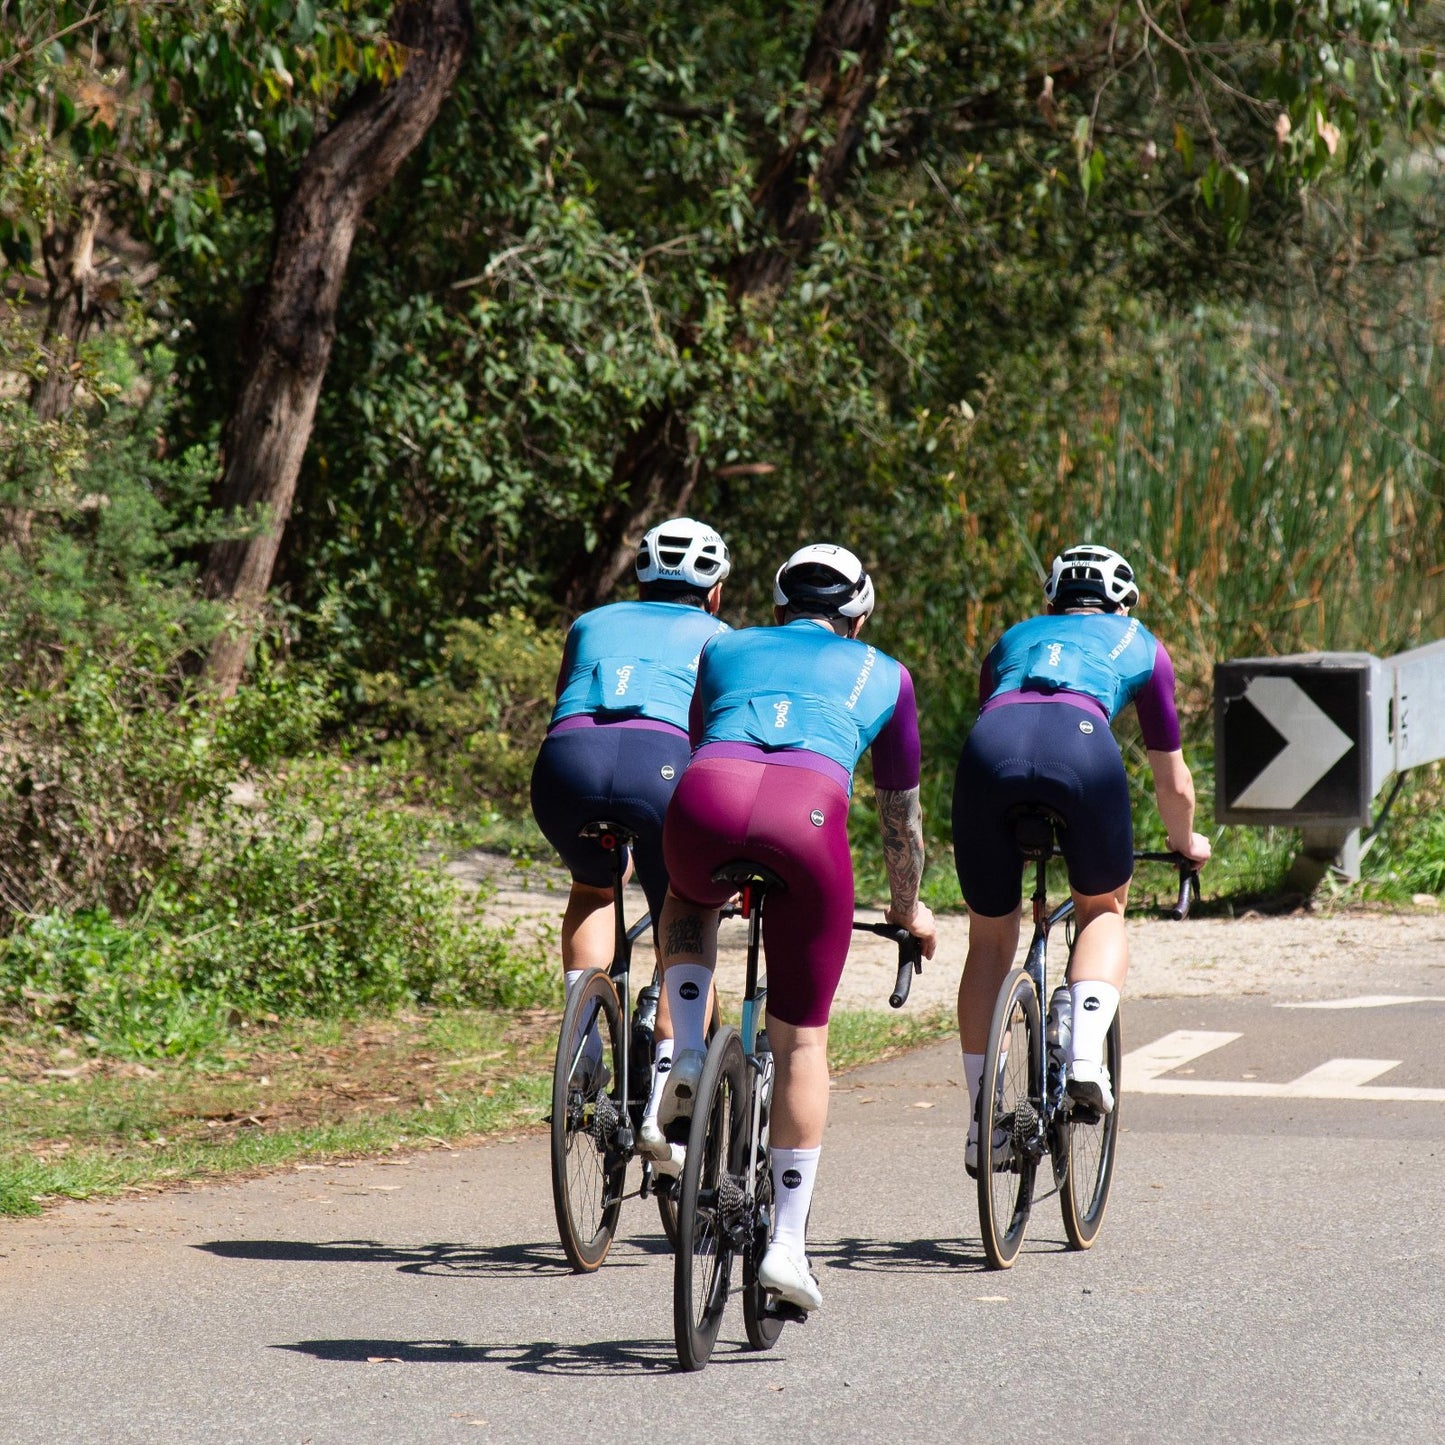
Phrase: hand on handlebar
{"type": "Point", "coordinates": [921, 925]}
{"type": "Point", "coordinates": [1197, 851]}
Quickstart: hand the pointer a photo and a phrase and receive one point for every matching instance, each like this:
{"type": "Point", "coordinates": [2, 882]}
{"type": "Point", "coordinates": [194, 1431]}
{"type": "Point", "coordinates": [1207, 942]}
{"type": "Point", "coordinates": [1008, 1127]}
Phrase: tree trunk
{"type": "Point", "coordinates": [74, 305]}
{"type": "Point", "coordinates": [656, 471]}
{"type": "Point", "coordinates": [267, 434]}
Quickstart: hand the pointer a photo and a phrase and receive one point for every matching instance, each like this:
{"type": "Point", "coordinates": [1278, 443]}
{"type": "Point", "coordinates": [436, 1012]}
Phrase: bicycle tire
{"type": "Point", "coordinates": [667, 1214]}
{"type": "Point", "coordinates": [702, 1263]}
{"type": "Point", "coordinates": [1010, 1134]}
{"type": "Point", "coordinates": [587, 1168]}
{"type": "Point", "coordinates": [1084, 1193]}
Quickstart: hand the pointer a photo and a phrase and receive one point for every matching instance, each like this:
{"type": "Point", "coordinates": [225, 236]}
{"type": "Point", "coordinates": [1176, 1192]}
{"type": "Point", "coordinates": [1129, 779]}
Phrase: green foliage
{"type": "Point", "coordinates": [482, 712]}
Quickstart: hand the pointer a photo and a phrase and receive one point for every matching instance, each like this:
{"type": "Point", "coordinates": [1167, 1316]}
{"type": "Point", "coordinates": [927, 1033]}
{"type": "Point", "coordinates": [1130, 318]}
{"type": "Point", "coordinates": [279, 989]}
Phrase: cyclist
{"type": "Point", "coordinates": [618, 742]}
{"type": "Point", "coordinates": [781, 717]}
{"type": "Point", "coordinates": [1049, 690]}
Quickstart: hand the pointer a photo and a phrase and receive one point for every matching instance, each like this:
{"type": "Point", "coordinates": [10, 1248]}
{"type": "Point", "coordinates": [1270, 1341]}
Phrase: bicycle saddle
{"type": "Point", "coordinates": [742, 871]}
{"type": "Point", "coordinates": [602, 830]}
{"type": "Point", "coordinates": [1034, 827]}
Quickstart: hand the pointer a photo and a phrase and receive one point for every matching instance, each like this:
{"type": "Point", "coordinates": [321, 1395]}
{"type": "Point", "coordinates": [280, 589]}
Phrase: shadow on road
{"type": "Point", "coordinates": [897, 1256]}
{"type": "Point", "coordinates": [489, 1262]}
{"type": "Point", "coordinates": [545, 1357]}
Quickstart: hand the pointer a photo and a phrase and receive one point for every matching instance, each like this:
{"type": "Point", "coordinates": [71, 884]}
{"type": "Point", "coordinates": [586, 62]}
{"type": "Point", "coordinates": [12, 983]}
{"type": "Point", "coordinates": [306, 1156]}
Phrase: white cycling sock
{"type": "Point", "coordinates": [973, 1077]}
{"type": "Point", "coordinates": [1094, 1005]}
{"type": "Point", "coordinates": [661, 1064]}
{"type": "Point", "coordinates": [592, 1048]}
{"type": "Point", "coordinates": [794, 1173]}
{"type": "Point", "coordinates": [687, 989]}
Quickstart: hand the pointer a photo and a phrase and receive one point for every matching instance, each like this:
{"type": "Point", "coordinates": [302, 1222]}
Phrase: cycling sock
{"type": "Point", "coordinates": [592, 1048]}
{"type": "Point", "coordinates": [973, 1077]}
{"type": "Point", "coordinates": [1095, 1004]}
{"type": "Point", "coordinates": [661, 1064]}
{"type": "Point", "coordinates": [794, 1173]}
{"type": "Point", "coordinates": [687, 987]}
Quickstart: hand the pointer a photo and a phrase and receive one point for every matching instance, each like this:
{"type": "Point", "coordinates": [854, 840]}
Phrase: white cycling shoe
{"type": "Point", "coordinates": [1089, 1087]}
{"type": "Point", "coordinates": [678, 1093]}
{"type": "Point", "coordinates": [788, 1276]}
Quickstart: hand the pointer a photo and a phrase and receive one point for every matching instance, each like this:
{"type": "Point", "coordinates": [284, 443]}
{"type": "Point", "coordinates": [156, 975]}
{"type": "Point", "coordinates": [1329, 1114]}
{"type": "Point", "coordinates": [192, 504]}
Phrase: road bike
{"type": "Point", "coordinates": [726, 1196]}
{"type": "Point", "coordinates": [1027, 1116]}
{"type": "Point", "coordinates": [599, 1091]}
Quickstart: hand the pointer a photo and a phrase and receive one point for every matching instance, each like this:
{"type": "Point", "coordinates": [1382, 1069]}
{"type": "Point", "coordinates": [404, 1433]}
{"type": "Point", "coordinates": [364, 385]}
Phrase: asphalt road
{"type": "Point", "coordinates": [1270, 1269]}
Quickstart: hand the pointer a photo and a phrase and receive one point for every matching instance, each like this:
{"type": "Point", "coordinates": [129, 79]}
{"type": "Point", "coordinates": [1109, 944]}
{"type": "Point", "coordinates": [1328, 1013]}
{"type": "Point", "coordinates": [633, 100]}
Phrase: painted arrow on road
{"type": "Point", "coordinates": [1313, 744]}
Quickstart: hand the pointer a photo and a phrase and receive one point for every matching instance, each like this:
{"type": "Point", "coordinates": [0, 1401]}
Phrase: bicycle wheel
{"type": "Point", "coordinates": [587, 1167]}
{"type": "Point", "coordinates": [1010, 1135]}
{"type": "Point", "coordinates": [667, 1213]}
{"type": "Point", "coordinates": [1084, 1193]}
{"type": "Point", "coordinates": [710, 1202]}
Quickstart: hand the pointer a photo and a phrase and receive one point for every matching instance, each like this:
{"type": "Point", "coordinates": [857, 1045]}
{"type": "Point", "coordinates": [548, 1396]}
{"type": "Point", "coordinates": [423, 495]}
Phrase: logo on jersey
{"type": "Point", "coordinates": [689, 991]}
{"type": "Point", "coordinates": [1056, 652]}
{"type": "Point", "coordinates": [816, 817]}
{"type": "Point", "coordinates": [791, 1178]}
{"type": "Point", "coordinates": [1086, 726]}
{"type": "Point", "coordinates": [869, 658]}
{"type": "Point", "coordinates": [668, 772]}
{"type": "Point", "coordinates": [780, 713]}
{"type": "Point", "coordinates": [624, 676]}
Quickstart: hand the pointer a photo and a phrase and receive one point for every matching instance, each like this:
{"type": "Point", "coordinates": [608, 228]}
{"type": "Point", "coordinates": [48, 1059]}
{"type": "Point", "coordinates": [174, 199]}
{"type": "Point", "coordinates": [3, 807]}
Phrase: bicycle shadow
{"type": "Point", "coordinates": [542, 1357]}
{"type": "Point", "coordinates": [457, 1260]}
{"type": "Point", "coordinates": [897, 1256]}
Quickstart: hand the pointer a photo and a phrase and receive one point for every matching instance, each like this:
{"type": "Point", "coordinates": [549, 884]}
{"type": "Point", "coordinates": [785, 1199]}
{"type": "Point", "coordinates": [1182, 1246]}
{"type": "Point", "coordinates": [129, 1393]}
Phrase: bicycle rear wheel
{"type": "Point", "coordinates": [761, 1327]}
{"type": "Point", "coordinates": [1010, 1135]}
{"type": "Point", "coordinates": [710, 1202]}
{"type": "Point", "coordinates": [1084, 1193]}
{"type": "Point", "coordinates": [587, 1167]}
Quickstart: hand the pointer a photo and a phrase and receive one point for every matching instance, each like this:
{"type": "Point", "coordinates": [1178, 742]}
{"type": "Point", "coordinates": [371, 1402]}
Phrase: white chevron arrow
{"type": "Point", "coordinates": [1313, 744]}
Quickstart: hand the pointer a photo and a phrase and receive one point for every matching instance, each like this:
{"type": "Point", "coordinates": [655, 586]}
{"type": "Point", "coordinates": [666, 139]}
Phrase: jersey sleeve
{"type": "Point", "coordinates": [1154, 704]}
{"type": "Point", "coordinates": [896, 751]}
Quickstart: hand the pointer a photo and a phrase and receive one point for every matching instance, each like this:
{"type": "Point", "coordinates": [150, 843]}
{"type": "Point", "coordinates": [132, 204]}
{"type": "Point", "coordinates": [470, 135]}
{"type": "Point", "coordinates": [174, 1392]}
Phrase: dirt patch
{"type": "Point", "coordinates": [1306, 953]}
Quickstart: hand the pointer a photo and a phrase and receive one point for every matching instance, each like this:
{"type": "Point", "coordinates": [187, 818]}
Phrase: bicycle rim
{"type": "Point", "coordinates": [762, 1328]}
{"type": "Point", "coordinates": [587, 1168]}
{"type": "Point", "coordinates": [1084, 1194]}
{"type": "Point", "coordinates": [708, 1202]}
{"type": "Point", "coordinates": [1010, 1126]}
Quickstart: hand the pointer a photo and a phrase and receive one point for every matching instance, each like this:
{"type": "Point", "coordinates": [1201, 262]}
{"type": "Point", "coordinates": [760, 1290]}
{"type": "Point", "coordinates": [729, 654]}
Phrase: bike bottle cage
{"type": "Point", "coordinates": [1034, 827]}
{"type": "Point", "coordinates": [609, 835]}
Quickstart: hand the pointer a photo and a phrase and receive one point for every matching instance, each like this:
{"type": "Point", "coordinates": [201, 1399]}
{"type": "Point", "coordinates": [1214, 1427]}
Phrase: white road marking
{"type": "Point", "coordinates": [1368, 1000]}
{"type": "Point", "coordinates": [1337, 1079]}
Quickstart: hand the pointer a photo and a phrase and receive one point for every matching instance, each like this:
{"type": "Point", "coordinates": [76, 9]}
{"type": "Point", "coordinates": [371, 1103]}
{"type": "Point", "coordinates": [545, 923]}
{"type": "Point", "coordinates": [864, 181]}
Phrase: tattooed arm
{"type": "Point", "coordinates": [901, 820]}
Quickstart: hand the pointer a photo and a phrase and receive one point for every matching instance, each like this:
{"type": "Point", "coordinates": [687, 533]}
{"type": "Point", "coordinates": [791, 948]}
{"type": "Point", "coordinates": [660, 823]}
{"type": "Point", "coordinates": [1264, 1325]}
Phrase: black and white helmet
{"type": "Point", "coordinates": [1088, 572]}
{"type": "Point", "coordinates": [685, 552]}
{"type": "Point", "coordinates": [825, 579]}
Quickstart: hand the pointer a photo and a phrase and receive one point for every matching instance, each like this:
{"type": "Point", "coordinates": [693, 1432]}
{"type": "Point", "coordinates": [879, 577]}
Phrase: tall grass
{"type": "Point", "coordinates": [1281, 486]}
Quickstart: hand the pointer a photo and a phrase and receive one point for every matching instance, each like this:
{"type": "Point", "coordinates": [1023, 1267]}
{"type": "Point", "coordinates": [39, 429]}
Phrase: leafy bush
{"type": "Point", "coordinates": [483, 712]}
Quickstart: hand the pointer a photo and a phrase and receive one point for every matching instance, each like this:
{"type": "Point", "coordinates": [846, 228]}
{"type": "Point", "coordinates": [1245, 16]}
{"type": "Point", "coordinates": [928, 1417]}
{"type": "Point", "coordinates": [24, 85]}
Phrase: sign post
{"type": "Point", "coordinates": [1306, 742]}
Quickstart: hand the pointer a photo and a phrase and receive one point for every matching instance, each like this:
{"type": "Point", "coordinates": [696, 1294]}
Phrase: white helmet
{"type": "Point", "coordinates": [826, 579]}
{"type": "Point", "coordinates": [683, 551]}
{"type": "Point", "coordinates": [1094, 572]}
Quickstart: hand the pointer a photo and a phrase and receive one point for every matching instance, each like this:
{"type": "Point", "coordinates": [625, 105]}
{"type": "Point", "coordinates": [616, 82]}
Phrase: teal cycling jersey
{"type": "Point", "coordinates": [1108, 658]}
{"type": "Point", "coordinates": [799, 687]}
{"type": "Point", "coordinates": [634, 660]}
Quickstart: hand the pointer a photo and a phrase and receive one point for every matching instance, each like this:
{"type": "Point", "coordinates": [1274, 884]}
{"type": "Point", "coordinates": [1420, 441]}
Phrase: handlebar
{"type": "Point", "coordinates": [1188, 879]}
{"type": "Point", "coordinates": [910, 956]}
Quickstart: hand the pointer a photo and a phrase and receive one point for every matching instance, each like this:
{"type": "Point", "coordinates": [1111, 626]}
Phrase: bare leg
{"type": "Point", "coordinates": [800, 1089]}
{"type": "Point", "coordinates": [587, 928]}
{"type": "Point", "coordinates": [992, 944]}
{"type": "Point", "coordinates": [1101, 949]}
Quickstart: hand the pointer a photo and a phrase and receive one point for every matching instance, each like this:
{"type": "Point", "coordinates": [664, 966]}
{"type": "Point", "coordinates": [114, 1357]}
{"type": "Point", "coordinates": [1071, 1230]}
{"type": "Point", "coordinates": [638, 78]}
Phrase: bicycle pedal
{"type": "Point", "coordinates": [781, 1309]}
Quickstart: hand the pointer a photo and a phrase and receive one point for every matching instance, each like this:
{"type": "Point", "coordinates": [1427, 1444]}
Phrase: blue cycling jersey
{"type": "Point", "coordinates": [634, 660]}
{"type": "Point", "coordinates": [797, 687]}
{"type": "Point", "coordinates": [1108, 658]}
